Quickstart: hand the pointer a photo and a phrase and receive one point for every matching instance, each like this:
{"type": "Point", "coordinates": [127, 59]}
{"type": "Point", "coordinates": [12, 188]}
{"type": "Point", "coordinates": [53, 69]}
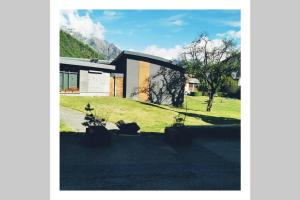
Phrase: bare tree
{"type": "Point", "coordinates": [211, 61]}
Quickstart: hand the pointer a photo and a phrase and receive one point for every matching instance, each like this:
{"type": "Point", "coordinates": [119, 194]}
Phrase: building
{"type": "Point", "coordinates": [148, 78]}
{"type": "Point", "coordinates": [191, 85]}
{"type": "Point", "coordinates": [83, 77]}
{"type": "Point", "coordinates": [132, 75]}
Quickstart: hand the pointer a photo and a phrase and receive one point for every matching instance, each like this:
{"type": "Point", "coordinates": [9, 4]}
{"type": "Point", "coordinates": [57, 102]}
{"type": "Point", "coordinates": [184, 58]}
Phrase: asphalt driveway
{"type": "Point", "coordinates": [149, 163]}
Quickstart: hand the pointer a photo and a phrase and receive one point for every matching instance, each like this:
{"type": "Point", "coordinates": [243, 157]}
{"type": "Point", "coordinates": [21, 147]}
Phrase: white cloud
{"type": "Point", "coordinates": [230, 34]}
{"type": "Point", "coordinates": [167, 53]}
{"type": "Point", "coordinates": [232, 23]}
{"type": "Point", "coordinates": [111, 15]}
{"type": "Point", "coordinates": [175, 20]}
{"type": "Point", "coordinates": [82, 24]}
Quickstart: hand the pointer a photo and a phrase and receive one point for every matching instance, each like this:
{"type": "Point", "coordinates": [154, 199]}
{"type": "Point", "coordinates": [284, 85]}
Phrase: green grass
{"type": "Point", "coordinates": [63, 127]}
{"type": "Point", "coordinates": [153, 117]}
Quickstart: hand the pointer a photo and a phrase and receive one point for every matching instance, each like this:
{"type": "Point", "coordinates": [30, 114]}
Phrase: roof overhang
{"type": "Point", "coordinates": [85, 63]}
{"type": "Point", "coordinates": [148, 57]}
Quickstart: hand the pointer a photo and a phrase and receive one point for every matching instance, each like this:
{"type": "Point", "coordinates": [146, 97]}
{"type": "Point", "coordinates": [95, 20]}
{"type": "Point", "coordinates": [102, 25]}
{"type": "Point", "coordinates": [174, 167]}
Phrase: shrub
{"type": "Point", "coordinates": [230, 88]}
{"type": "Point", "coordinates": [179, 121]}
{"type": "Point", "coordinates": [195, 94]}
{"type": "Point", "coordinates": [221, 94]}
{"type": "Point", "coordinates": [90, 119]}
{"type": "Point", "coordinates": [204, 93]}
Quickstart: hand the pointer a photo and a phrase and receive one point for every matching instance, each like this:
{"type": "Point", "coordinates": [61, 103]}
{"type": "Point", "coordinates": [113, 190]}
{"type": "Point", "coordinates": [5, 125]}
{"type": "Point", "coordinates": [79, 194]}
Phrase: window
{"type": "Point", "coordinates": [68, 81]}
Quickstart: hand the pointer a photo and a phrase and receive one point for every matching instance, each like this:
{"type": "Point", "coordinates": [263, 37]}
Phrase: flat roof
{"type": "Point", "coordinates": [193, 80]}
{"type": "Point", "coordinates": [147, 56]}
{"type": "Point", "coordinates": [100, 64]}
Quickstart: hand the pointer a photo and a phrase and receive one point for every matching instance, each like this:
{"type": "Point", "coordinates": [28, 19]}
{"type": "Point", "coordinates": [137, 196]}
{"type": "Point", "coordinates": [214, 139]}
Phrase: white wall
{"type": "Point", "coordinates": [98, 84]}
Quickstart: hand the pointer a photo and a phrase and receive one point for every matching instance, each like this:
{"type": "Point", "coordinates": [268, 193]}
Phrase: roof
{"type": "Point", "coordinates": [193, 80]}
{"type": "Point", "coordinates": [102, 64]}
{"type": "Point", "coordinates": [148, 57]}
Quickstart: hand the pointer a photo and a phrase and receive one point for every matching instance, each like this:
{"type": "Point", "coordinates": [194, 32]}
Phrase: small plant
{"type": "Point", "coordinates": [90, 119]}
{"type": "Point", "coordinates": [179, 121]}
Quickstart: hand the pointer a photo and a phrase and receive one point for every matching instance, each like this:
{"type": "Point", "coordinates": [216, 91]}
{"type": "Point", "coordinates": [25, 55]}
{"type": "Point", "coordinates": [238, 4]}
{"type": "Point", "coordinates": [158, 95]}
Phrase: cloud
{"type": "Point", "coordinates": [111, 15]}
{"type": "Point", "coordinates": [81, 24]}
{"type": "Point", "coordinates": [232, 23]}
{"type": "Point", "coordinates": [175, 20]}
{"type": "Point", "coordinates": [167, 53]}
{"type": "Point", "coordinates": [230, 34]}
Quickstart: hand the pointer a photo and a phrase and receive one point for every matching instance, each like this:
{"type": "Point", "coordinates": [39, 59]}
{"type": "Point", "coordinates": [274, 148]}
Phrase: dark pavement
{"type": "Point", "coordinates": [149, 163]}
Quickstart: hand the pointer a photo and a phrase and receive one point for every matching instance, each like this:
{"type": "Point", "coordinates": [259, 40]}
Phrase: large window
{"type": "Point", "coordinates": [68, 81]}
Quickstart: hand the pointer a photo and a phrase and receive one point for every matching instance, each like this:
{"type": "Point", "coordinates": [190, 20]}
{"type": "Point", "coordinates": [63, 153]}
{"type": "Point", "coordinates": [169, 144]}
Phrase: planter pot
{"type": "Point", "coordinates": [128, 128]}
{"type": "Point", "coordinates": [98, 135]}
{"type": "Point", "coordinates": [178, 136]}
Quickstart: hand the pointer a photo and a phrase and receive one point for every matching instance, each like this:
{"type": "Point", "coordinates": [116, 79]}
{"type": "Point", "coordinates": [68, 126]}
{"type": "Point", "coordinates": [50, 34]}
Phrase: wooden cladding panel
{"type": "Point", "coordinates": [116, 86]}
{"type": "Point", "coordinates": [144, 70]}
{"type": "Point", "coordinates": [119, 86]}
{"type": "Point", "coordinates": [111, 87]}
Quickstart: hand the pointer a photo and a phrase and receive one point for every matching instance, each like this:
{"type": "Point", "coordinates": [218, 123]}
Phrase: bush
{"type": "Point", "coordinates": [204, 93]}
{"type": "Point", "coordinates": [195, 94]}
{"type": "Point", "coordinates": [220, 94]}
{"type": "Point", "coordinates": [230, 88]}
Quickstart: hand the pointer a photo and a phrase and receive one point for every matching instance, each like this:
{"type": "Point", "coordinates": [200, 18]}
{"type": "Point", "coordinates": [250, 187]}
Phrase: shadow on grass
{"type": "Point", "coordinates": [206, 118]}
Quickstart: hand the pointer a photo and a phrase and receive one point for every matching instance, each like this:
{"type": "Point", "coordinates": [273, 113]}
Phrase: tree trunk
{"type": "Point", "coordinates": [210, 101]}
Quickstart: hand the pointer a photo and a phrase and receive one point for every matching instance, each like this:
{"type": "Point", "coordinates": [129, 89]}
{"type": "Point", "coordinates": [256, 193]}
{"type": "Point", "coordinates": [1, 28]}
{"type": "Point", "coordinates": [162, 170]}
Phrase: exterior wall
{"type": "Point", "coordinates": [83, 81]}
{"type": "Point", "coordinates": [137, 74]}
{"type": "Point", "coordinates": [112, 86]}
{"type": "Point", "coordinates": [132, 78]}
{"type": "Point", "coordinates": [119, 86]}
{"type": "Point", "coordinates": [116, 86]}
{"type": "Point", "coordinates": [154, 70]}
{"type": "Point", "coordinates": [93, 84]}
{"type": "Point", "coordinates": [143, 85]}
{"type": "Point", "coordinates": [136, 70]}
{"type": "Point", "coordinates": [98, 82]}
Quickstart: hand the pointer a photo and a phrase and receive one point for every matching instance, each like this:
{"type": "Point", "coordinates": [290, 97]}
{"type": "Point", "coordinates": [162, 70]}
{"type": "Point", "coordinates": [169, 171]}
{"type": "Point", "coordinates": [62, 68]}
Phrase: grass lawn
{"type": "Point", "coordinates": [153, 117]}
{"type": "Point", "coordinates": [63, 127]}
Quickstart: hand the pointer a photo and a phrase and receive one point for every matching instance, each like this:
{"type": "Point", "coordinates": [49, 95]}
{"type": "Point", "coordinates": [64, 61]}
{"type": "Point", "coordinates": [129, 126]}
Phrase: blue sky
{"type": "Point", "coordinates": [154, 30]}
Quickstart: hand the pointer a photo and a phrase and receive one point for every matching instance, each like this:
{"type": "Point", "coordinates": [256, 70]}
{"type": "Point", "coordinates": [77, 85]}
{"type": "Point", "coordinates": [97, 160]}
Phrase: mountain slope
{"type": "Point", "coordinates": [104, 47]}
{"type": "Point", "coordinates": [72, 47]}
{"type": "Point", "coordinates": [109, 50]}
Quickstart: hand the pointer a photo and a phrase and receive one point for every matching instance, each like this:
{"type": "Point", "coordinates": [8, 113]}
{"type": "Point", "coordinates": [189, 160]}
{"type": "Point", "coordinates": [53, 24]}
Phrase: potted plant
{"type": "Point", "coordinates": [176, 134]}
{"type": "Point", "coordinates": [95, 127]}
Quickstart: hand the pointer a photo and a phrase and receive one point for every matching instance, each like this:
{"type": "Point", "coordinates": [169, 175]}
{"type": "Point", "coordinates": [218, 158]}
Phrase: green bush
{"type": "Point", "coordinates": [230, 88]}
{"type": "Point", "coordinates": [195, 94]}
{"type": "Point", "coordinates": [220, 94]}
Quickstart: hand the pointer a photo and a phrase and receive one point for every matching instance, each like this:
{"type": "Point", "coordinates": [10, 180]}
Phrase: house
{"type": "Point", "coordinates": [83, 77]}
{"type": "Point", "coordinates": [149, 78]}
{"type": "Point", "coordinates": [191, 84]}
{"type": "Point", "coordinates": [131, 75]}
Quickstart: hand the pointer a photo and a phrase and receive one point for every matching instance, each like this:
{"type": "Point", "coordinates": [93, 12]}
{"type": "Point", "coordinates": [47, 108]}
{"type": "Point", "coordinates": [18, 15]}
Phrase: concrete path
{"type": "Point", "coordinates": [74, 118]}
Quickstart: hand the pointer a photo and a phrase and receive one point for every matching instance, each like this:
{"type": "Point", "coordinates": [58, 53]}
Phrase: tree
{"type": "Point", "coordinates": [166, 85]}
{"type": "Point", "coordinates": [211, 61]}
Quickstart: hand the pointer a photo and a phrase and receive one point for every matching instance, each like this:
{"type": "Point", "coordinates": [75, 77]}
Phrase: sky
{"type": "Point", "coordinates": [159, 32]}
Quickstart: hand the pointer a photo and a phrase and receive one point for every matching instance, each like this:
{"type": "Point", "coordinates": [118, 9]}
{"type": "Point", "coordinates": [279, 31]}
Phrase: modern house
{"type": "Point", "coordinates": [146, 76]}
{"type": "Point", "coordinates": [83, 77]}
{"type": "Point", "coordinates": [132, 75]}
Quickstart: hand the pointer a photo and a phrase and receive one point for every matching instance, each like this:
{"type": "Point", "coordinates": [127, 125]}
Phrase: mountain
{"type": "Point", "coordinates": [72, 47]}
{"type": "Point", "coordinates": [104, 47]}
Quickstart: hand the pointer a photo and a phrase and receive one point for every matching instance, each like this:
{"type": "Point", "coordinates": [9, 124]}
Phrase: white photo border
{"type": "Point", "coordinates": [242, 5]}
